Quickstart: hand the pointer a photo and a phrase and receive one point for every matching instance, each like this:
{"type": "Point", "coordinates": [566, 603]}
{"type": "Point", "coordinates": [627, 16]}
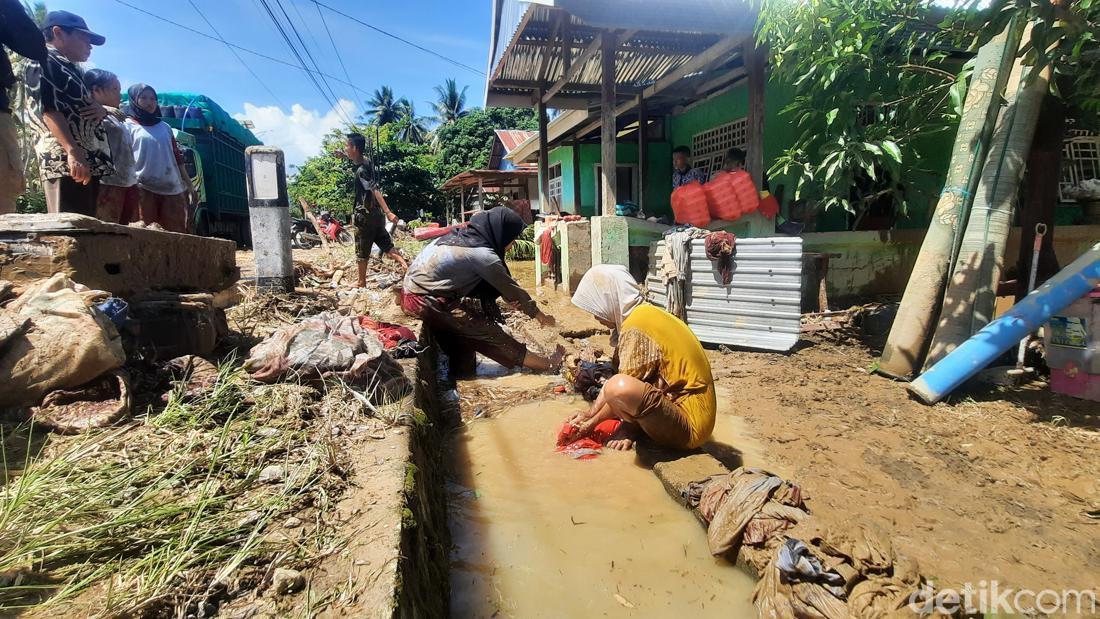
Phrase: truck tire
{"type": "Point", "coordinates": [302, 241]}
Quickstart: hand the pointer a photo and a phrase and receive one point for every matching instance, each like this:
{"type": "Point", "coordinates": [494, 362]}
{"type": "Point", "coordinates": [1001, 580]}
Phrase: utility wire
{"type": "Point", "coordinates": [313, 78]}
{"type": "Point", "coordinates": [339, 56]}
{"type": "Point", "coordinates": [397, 38]}
{"type": "Point", "coordinates": [237, 55]}
{"type": "Point", "coordinates": [305, 48]}
{"type": "Point", "coordinates": [227, 43]}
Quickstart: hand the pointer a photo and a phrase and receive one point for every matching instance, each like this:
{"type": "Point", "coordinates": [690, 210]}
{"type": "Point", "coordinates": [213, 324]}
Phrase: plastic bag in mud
{"type": "Point", "coordinates": [330, 346]}
{"type": "Point", "coordinates": [61, 343]}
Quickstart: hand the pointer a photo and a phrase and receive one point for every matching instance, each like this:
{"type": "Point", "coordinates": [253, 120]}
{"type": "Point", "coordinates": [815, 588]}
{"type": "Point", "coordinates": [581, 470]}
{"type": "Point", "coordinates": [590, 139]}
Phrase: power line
{"type": "Point", "coordinates": [214, 38]}
{"type": "Point", "coordinates": [305, 48]}
{"type": "Point", "coordinates": [397, 38]}
{"type": "Point", "coordinates": [237, 55]}
{"type": "Point", "coordinates": [313, 78]}
{"type": "Point", "coordinates": [339, 56]}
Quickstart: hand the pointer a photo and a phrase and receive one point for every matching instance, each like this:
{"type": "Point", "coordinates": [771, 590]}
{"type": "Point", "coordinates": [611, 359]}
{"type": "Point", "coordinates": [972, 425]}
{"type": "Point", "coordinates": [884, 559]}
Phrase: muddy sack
{"type": "Point", "coordinates": [330, 346]}
{"type": "Point", "coordinates": [97, 404]}
{"type": "Point", "coordinates": [745, 506]}
{"type": "Point", "coordinates": [62, 343]}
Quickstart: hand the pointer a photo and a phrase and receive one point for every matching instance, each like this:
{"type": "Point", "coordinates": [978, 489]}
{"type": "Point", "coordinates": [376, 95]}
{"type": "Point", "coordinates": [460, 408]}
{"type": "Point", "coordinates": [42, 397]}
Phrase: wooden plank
{"type": "Point", "coordinates": [608, 138]}
{"type": "Point", "coordinates": [544, 160]}
{"type": "Point", "coordinates": [643, 150]}
{"type": "Point", "coordinates": [715, 53]}
{"type": "Point", "coordinates": [576, 66]}
{"type": "Point", "coordinates": [548, 53]}
{"type": "Point", "coordinates": [754, 64]}
{"type": "Point", "coordinates": [316, 225]}
{"type": "Point", "coordinates": [513, 44]}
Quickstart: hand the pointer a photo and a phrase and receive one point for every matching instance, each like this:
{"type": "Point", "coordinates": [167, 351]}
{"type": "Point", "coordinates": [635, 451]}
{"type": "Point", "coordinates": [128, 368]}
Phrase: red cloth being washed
{"type": "Point", "coordinates": [588, 447]}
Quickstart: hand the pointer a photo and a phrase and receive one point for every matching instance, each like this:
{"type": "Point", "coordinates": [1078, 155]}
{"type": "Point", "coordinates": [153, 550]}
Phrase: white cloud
{"type": "Point", "coordinates": [299, 133]}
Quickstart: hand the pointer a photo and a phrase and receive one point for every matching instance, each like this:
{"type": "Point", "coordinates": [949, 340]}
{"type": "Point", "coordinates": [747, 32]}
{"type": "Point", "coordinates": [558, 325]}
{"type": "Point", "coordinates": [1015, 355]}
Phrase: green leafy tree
{"type": "Point", "coordinates": [410, 127]}
{"type": "Point", "coordinates": [867, 91]}
{"type": "Point", "coordinates": [382, 107]}
{"type": "Point", "coordinates": [405, 174]}
{"type": "Point", "coordinates": [450, 103]}
{"type": "Point", "coordinates": [1065, 37]}
{"type": "Point", "coordinates": [465, 144]}
{"type": "Point", "coordinates": [32, 200]}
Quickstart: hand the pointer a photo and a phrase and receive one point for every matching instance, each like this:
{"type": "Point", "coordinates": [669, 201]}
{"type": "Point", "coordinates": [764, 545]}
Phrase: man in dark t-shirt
{"type": "Point", "coordinates": [370, 211]}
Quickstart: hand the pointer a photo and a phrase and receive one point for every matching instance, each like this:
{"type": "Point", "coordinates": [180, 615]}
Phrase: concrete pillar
{"type": "Point", "coordinates": [539, 267]}
{"type": "Point", "coordinates": [576, 253]}
{"type": "Point", "coordinates": [269, 214]}
{"type": "Point", "coordinates": [610, 238]}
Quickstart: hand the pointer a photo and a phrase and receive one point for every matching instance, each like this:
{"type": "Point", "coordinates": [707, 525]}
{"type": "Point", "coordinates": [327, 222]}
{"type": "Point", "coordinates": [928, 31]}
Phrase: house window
{"type": "Point", "coordinates": [708, 149]}
{"type": "Point", "coordinates": [1080, 160]}
{"type": "Point", "coordinates": [555, 186]}
{"type": "Point", "coordinates": [626, 189]}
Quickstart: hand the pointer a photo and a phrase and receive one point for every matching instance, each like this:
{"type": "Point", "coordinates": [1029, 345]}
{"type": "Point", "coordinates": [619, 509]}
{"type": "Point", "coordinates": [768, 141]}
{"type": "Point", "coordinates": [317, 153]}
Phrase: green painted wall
{"type": "Point", "coordinates": [657, 185]}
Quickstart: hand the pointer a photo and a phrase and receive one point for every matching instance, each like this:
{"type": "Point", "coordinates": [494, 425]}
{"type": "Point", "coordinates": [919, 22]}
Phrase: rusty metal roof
{"type": "Point", "coordinates": [655, 38]}
{"type": "Point", "coordinates": [511, 138]}
{"type": "Point", "coordinates": [488, 178]}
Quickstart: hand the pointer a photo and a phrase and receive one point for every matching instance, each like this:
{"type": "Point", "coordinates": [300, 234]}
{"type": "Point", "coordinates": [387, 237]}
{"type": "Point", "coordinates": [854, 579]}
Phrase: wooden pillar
{"type": "Point", "coordinates": [643, 151]}
{"type": "Point", "coordinates": [462, 206]}
{"type": "Point", "coordinates": [607, 121]}
{"type": "Point", "coordinates": [576, 177]}
{"type": "Point", "coordinates": [480, 195]}
{"type": "Point", "coordinates": [544, 159]}
{"type": "Point", "coordinates": [755, 59]}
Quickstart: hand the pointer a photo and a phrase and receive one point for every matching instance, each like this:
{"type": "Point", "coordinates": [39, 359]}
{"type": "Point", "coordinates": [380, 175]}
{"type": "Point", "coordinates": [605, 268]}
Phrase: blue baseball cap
{"type": "Point", "coordinates": [72, 21]}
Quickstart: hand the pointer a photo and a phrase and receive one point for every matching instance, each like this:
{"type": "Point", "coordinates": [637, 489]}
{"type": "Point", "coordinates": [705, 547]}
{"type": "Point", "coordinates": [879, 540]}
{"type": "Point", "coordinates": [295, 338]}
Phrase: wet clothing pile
{"type": "Point", "coordinates": [398, 340]}
{"type": "Point", "coordinates": [590, 377]}
{"type": "Point", "coordinates": [805, 571]}
{"type": "Point", "coordinates": [589, 446]}
{"type": "Point", "coordinates": [330, 346]}
{"type": "Point", "coordinates": [676, 265]}
{"type": "Point", "coordinates": [719, 249]}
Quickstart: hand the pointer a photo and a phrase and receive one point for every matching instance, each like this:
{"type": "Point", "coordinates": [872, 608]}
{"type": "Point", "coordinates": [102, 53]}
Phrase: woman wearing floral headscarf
{"type": "Point", "coordinates": [663, 386]}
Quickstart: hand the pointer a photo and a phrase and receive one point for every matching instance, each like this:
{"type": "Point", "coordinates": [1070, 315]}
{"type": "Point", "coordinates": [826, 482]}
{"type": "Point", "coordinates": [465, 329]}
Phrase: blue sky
{"type": "Point", "coordinates": [141, 48]}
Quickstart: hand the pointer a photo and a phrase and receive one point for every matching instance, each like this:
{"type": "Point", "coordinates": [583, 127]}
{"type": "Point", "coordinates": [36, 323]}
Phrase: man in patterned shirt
{"type": "Point", "coordinates": [682, 172]}
{"type": "Point", "coordinates": [72, 147]}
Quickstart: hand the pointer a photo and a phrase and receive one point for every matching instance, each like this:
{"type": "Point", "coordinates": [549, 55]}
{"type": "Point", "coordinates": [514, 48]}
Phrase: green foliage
{"type": "Point", "coordinates": [31, 201]}
{"type": "Point", "coordinates": [405, 174]}
{"type": "Point", "coordinates": [867, 90]}
{"type": "Point", "coordinates": [382, 107]}
{"type": "Point", "coordinates": [465, 144]}
{"type": "Point", "coordinates": [450, 104]}
{"type": "Point", "coordinates": [410, 127]}
{"type": "Point", "coordinates": [1065, 38]}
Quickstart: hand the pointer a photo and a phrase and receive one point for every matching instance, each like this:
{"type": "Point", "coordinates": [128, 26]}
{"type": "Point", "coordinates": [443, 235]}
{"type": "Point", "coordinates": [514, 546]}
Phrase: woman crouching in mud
{"type": "Point", "coordinates": [469, 262]}
{"type": "Point", "coordinates": [663, 386]}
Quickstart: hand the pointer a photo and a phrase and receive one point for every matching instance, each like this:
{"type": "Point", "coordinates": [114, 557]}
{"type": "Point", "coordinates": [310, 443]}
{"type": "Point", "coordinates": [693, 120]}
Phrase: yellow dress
{"type": "Point", "coordinates": [659, 349]}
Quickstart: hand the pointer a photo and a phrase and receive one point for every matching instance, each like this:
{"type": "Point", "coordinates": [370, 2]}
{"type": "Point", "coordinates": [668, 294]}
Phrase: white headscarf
{"type": "Point", "coordinates": [608, 292]}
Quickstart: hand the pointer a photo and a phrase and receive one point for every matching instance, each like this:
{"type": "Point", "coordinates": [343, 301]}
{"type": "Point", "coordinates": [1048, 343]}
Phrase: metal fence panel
{"type": "Point", "coordinates": [761, 306]}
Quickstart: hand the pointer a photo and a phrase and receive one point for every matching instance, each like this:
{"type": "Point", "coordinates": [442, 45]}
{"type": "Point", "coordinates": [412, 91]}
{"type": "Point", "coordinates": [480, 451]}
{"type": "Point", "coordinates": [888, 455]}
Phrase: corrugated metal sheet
{"type": "Point", "coordinates": [760, 308]}
{"type": "Point", "coordinates": [511, 138]}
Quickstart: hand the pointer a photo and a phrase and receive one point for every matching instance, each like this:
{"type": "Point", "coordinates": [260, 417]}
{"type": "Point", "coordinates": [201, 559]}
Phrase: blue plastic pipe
{"type": "Point", "coordinates": [973, 355]}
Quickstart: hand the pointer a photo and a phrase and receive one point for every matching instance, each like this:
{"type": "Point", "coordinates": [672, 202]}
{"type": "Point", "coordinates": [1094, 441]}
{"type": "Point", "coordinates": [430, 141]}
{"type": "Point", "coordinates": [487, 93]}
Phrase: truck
{"type": "Point", "coordinates": [213, 144]}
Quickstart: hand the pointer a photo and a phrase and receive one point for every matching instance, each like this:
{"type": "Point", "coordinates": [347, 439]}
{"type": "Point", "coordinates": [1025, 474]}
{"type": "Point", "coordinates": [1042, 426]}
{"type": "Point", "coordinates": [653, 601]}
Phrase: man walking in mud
{"type": "Point", "coordinates": [370, 210]}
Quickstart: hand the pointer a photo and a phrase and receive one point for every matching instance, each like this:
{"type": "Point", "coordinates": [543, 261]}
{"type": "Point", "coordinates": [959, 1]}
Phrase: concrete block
{"type": "Point", "coordinates": [679, 473]}
{"type": "Point", "coordinates": [576, 252]}
{"type": "Point", "coordinates": [610, 235]}
{"type": "Point", "coordinates": [123, 260]}
{"type": "Point", "coordinates": [271, 246]}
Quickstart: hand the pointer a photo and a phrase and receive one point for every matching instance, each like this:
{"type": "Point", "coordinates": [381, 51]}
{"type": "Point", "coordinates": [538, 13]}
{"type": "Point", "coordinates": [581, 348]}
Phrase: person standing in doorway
{"type": "Point", "coordinates": [682, 172]}
{"type": "Point", "coordinates": [371, 210]}
{"type": "Point", "coordinates": [164, 188]}
{"type": "Point", "coordinates": [117, 200]}
{"type": "Point", "coordinates": [72, 148]}
{"type": "Point", "coordinates": [18, 33]}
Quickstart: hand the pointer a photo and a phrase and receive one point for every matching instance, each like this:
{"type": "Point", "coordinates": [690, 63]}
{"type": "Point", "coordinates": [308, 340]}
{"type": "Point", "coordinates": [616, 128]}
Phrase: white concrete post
{"type": "Point", "coordinates": [269, 214]}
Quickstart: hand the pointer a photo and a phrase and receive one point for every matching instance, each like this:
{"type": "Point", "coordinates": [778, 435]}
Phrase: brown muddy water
{"type": "Point", "coordinates": [538, 534]}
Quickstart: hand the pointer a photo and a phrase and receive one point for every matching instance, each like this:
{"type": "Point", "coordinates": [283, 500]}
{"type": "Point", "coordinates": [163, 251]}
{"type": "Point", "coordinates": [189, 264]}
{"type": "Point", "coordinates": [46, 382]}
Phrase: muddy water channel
{"type": "Point", "coordinates": [538, 534]}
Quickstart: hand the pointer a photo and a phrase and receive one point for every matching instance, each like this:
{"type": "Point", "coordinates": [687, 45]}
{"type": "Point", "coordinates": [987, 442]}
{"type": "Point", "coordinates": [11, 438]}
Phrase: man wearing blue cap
{"type": "Point", "coordinates": [72, 149]}
{"type": "Point", "coordinates": [18, 33]}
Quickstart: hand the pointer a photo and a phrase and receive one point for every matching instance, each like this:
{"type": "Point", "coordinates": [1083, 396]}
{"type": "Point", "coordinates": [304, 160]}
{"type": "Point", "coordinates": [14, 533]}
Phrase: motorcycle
{"type": "Point", "coordinates": [333, 229]}
{"type": "Point", "coordinates": [302, 234]}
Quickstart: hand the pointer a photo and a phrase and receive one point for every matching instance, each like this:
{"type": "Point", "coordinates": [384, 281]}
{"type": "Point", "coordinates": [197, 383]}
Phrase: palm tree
{"type": "Point", "coordinates": [411, 128]}
{"type": "Point", "coordinates": [382, 106]}
{"type": "Point", "coordinates": [450, 104]}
